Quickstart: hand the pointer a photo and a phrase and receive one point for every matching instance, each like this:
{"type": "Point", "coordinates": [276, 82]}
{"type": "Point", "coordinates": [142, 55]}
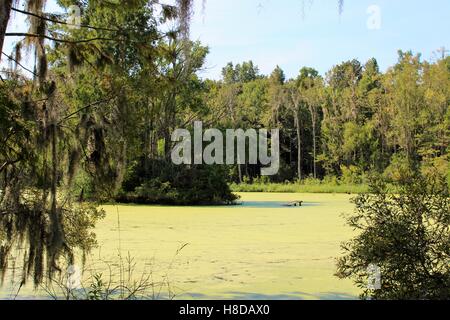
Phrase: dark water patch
{"type": "Point", "coordinates": [274, 204]}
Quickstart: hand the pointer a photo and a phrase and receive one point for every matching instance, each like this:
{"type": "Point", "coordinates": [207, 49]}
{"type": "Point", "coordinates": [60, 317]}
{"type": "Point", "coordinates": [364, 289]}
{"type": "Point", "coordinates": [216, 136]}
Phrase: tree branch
{"type": "Point", "coordinates": [84, 108]}
{"type": "Point", "coordinates": [19, 64]}
{"type": "Point", "coordinates": [62, 22]}
{"type": "Point", "coordinates": [33, 35]}
{"type": "Point", "coordinates": [8, 163]}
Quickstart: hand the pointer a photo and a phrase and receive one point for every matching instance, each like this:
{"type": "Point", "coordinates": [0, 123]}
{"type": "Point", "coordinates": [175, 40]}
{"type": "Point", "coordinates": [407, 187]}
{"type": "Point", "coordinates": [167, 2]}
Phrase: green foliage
{"type": "Point", "coordinates": [278, 76]}
{"type": "Point", "coordinates": [398, 168]}
{"type": "Point", "coordinates": [96, 121]}
{"type": "Point", "coordinates": [406, 234]}
{"type": "Point", "coordinates": [37, 212]}
{"type": "Point", "coordinates": [351, 175]}
{"type": "Point", "coordinates": [356, 118]}
{"type": "Point", "coordinates": [66, 133]}
{"type": "Point", "coordinates": [241, 73]}
{"type": "Point", "coordinates": [161, 182]}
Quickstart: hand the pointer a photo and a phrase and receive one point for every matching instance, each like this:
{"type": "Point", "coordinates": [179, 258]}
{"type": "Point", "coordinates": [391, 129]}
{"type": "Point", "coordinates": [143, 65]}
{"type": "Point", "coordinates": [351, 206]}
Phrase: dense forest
{"type": "Point", "coordinates": [92, 120]}
{"type": "Point", "coordinates": [353, 120]}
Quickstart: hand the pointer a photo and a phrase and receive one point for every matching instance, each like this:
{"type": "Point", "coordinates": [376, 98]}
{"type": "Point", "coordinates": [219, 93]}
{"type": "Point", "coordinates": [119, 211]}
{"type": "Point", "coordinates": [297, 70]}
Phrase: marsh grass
{"type": "Point", "coordinates": [311, 186]}
{"type": "Point", "coordinates": [105, 278]}
{"type": "Point", "coordinates": [114, 281]}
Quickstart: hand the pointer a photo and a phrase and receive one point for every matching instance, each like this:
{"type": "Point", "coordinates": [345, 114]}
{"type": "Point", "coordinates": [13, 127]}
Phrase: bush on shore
{"type": "Point", "coordinates": [161, 182]}
{"type": "Point", "coordinates": [405, 235]}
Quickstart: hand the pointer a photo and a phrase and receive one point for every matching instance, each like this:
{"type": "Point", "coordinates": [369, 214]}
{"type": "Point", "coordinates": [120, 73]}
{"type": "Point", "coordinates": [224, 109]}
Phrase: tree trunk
{"type": "Point", "coordinates": [299, 144]}
{"type": "Point", "coordinates": [238, 160]}
{"type": "Point", "coordinates": [233, 118]}
{"type": "Point", "coordinates": [313, 117]}
{"type": "Point", "coordinates": [314, 150]}
{"type": "Point", "coordinates": [239, 170]}
{"type": "Point", "coordinates": [5, 11]}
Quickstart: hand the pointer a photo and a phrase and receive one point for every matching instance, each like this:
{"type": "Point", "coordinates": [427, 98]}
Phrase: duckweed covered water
{"type": "Point", "coordinates": [260, 249]}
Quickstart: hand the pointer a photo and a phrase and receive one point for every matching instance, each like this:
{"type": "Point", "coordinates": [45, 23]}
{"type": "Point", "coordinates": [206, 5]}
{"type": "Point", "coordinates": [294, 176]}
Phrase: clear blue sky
{"type": "Point", "coordinates": [296, 33]}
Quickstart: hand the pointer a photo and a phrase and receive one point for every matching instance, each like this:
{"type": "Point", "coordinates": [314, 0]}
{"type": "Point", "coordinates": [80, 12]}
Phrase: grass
{"type": "Point", "coordinates": [295, 187]}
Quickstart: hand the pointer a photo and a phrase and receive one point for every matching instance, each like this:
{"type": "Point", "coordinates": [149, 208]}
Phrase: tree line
{"type": "Point", "coordinates": [353, 120]}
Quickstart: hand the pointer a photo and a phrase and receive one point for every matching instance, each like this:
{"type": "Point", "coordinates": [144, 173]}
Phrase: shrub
{"type": "Point", "coordinates": [406, 234]}
{"type": "Point", "coordinates": [398, 168]}
{"type": "Point", "coordinates": [162, 182]}
{"type": "Point", "coordinates": [351, 175]}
